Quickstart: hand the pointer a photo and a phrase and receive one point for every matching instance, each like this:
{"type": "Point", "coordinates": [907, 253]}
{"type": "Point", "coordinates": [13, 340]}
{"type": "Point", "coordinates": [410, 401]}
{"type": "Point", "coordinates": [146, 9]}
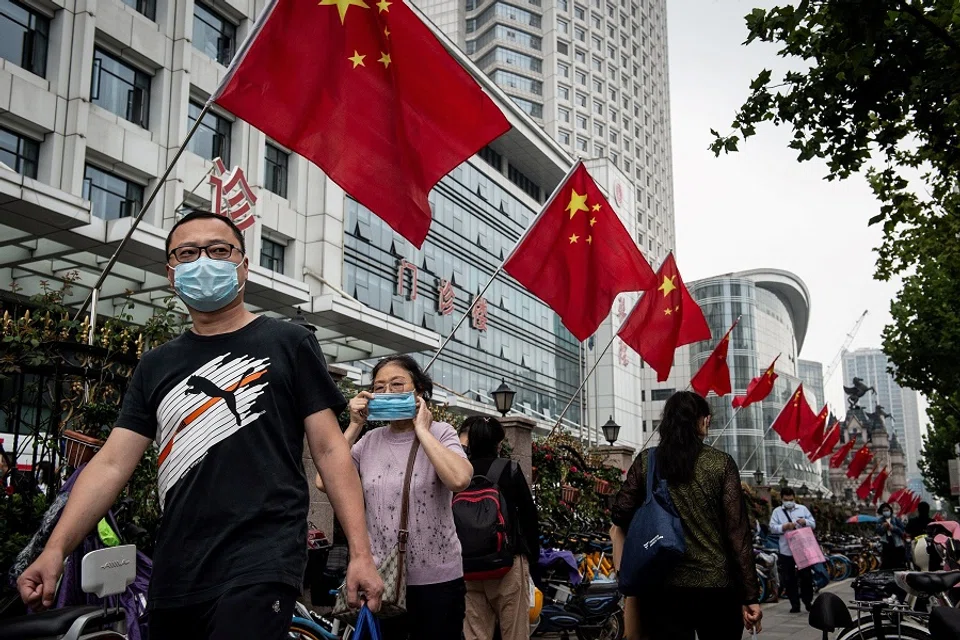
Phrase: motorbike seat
{"type": "Point", "coordinates": [45, 624]}
{"type": "Point", "coordinates": [829, 613]}
{"type": "Point", "coordinates": [932, 582]}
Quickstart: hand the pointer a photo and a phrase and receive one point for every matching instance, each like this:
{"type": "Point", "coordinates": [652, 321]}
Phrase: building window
{"type": "Point", "coordinates": [564, 114]}
{"type": "Point", "coordinates": [527, 185]}
{"type": "Point", "coordinates": [272, 254]}
{"type": "Point", "coordinates": [597, 21]}
{"type": "Point", "coordinates": [492, 158]}
{"type": "Point", "coordinates": [581, 122]}
{"type": "Point", "coordinates": [564, 92]}
{"type": "Point", "coordinates": [120, 88]}
{"type": "Point", "coordinates": [213, 34]}
{"type": "Point", "coordinates": [613, 136]}
{"type": "Point", "coordinates": [658, 395]}
{"type": "Point", "coordinates": [581, 78]}
{"type": "Point", "coordinates": [579, 13]}
{"type": "Point", "coordinates": [597, 64]}
{"type": "Point", "coordinates": [581, 144]}
{"type": "Point", "coordinates": [563, 69]}
{"type": "Point", "coordinates": [581, 100]}
{"type": "Point", "coordinates": [516, 81]}
{"type": "Point", "coordinates": [277, 161]}
{"type": "Point", "coordinates": [563, 137]}
{"type": "Point", "coordinates": [212, 139]}
{"type": "Point", "coordinates": [562, 47]}
{"type": "Point", "coordinates": [111, 196]}
{"type": "Point", "coordinates": [563, 6]}
{"type": "Point", "coordinates": [534, 109]}
{"type": "Point", "coordinates": [598, 108]}
{"type": "Point", "coordinates": [580, 56]}
{"type": "Point", "coordinates": [563, 26]}
{"type": "Point", "coordinates": [24, 35]}
{"type": "Point", "coordinates": [580, 34]}
{"type": "Point", "coordinates": [19, 153]}
{"type": "Point", "coordinates": [145, 7]}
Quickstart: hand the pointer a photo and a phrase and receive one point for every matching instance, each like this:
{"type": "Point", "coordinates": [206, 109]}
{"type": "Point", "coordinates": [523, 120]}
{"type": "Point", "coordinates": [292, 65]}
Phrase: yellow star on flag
{"type": "Point", "coordinates": [383, 5]}
{"type": "Point", "coordinates": [577, 203]}
{"type": "Point", "coordinates": [589, 239]}
{"type": "Point", "coordinates": [357, 59]}
{"type": "Point", "coordinates": [667, 311]}
{"type": "Point", "coordinates": [343, 5]}
{"type": "Point", "coordinates": [386, 32]}
{"type": "Point", "coordinates": [596, 207]}
{"type": "Point", "coordinates": [385, 59]}
{"type": "Point", "coordinates": [574, 238]}
{"type": "Point", "coordinates": [593, 221]}
{"type": "Point", "coordinates": [667, 285]}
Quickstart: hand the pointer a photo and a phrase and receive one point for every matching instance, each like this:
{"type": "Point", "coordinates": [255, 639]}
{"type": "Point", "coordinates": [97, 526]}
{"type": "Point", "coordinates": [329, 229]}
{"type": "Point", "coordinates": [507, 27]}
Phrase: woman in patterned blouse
{"type": "Point", "coordinates": [713, 592]}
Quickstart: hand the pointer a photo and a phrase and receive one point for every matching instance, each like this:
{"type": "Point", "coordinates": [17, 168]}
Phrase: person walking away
{"type": "Point", "coordinates": [893, 554]}
{"type": "Point", "coordinates": [713, 592]}
{"type": "Point", "coordinates": [436, 591]}
{"type": "Point", "coordinates": [787, 517]}
{"type": "Point", "coordinates": [917, 525]}
{"type": "Point", "coordinates": [229, 403]}
{"type": "Point", "coordinates": [502, 600]}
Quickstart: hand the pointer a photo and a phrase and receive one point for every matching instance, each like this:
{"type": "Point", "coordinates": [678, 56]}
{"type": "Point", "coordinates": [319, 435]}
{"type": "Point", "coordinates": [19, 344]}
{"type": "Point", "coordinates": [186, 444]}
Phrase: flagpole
{"type": "Point", "coordinates": [136, 221]}
{"type": "Point", "coordinates": [763, 439]}
{"type": "Point", "coordinates": [523, 236]}
{"type": "Point", "coordinates": [582, 383]}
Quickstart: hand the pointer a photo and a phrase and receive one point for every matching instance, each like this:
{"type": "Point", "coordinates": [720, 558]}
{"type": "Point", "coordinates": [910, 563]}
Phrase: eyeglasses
{"type": "Point", "coordinates": [392, 387]}
{"type": "Point", "coordinates": [215, 251]}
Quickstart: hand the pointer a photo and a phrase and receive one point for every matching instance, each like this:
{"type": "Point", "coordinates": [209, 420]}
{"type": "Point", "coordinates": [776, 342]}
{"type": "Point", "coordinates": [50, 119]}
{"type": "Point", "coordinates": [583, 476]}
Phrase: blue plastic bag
{"type": "Point", "coordinates": [368, 626]}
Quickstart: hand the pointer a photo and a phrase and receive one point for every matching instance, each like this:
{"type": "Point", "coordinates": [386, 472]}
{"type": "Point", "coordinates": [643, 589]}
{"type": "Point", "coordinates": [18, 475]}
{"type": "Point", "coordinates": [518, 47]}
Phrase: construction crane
{"type": "Point", "coordinates": [846, 343]}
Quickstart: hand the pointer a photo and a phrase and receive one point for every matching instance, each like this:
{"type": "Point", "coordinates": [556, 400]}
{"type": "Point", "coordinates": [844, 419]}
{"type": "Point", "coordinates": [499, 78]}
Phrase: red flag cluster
{"type": "Point", "coordinates": [908, 501]}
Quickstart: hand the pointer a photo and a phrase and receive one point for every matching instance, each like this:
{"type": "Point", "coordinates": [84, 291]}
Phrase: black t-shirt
{"type": "Point", "coordinates": [227, 413]}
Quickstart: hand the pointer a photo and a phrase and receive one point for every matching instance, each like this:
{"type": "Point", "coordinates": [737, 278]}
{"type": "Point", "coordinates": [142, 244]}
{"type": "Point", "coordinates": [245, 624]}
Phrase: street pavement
{"type": "Point", "coordinates": [780, 624]}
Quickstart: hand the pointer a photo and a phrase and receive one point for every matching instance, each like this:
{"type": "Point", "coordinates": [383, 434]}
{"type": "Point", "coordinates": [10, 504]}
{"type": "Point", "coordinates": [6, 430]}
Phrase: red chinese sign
{"type": "Point", "coordinates": [624, 354]}
{"type": "Point", "coordinates": [403, 268]}
{"type": "Point", "coordinates": [479, 315]}
{"type": "Point", "coordinates": [232, 197]}
{"type": "Point", "coordinates": [622, 309]}
{"type": "Point", "coordinates": [445, 297]}
{"type": "Point", "coordinates": [407, 281]}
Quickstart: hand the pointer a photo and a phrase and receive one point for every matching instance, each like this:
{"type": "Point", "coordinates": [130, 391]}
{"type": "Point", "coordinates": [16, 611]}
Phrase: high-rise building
{"type": "Point", "coordinates": [811, 373]}
{"type": "Point", "coordinates": [873, 367]}
{"type": "Point", "coordinates": [774, 310]}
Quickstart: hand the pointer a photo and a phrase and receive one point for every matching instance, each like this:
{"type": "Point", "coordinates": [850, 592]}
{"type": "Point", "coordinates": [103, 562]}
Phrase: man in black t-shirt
{"type": "Point", "coordinates": [228, 405]}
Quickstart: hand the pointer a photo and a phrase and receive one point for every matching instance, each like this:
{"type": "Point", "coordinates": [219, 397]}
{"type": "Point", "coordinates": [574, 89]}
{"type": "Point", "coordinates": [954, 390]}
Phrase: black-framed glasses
{"type": "Point", "coordinates": [215, 251]}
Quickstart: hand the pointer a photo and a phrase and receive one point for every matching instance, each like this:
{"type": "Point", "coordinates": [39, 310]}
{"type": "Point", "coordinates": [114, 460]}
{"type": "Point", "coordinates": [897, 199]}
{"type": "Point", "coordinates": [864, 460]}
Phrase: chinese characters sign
{"type": "Point", "coordinates": [407, 276]}
{"type": "Point", "coordinates": [232, 196]}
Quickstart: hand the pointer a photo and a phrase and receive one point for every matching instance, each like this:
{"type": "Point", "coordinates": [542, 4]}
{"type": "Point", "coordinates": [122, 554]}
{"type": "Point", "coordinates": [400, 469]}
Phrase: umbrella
{"type": "Point", "coordinates": [861, 519]}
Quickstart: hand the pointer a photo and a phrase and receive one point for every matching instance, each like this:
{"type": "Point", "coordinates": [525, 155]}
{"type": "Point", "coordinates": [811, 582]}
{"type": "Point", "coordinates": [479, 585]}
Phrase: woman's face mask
{"type": "Point", "coordinates": [886, 514]}
{"type": "Point", "coordinates": [388, 407]}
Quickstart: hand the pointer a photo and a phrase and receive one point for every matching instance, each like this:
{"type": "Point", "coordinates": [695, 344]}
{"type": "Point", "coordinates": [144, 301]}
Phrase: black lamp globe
{"type": "Point", "coordinates": [503, 398]}
{"type": "Point", "coordinates": [783, 482]}
{"type": "Point", "coordinates": [758, 476]}
{"type": "Point", "coordinates": [301, 321]}
{"type": "Point", "coordinates": [611, 430]}
{"type": "Point", "coordinates": [804, 490]}
{"type": "Point", "coordinates": [819, 494]}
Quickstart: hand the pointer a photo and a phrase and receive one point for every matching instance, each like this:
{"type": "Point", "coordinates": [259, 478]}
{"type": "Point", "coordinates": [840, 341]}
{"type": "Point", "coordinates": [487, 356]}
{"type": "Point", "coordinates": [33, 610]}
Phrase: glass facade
{"type": "Point", "coordinates": [24, 36]}
{"type": "Point", "coordinates": [476, 223]}
{"type": "Point", "coordinates": [765, 331]}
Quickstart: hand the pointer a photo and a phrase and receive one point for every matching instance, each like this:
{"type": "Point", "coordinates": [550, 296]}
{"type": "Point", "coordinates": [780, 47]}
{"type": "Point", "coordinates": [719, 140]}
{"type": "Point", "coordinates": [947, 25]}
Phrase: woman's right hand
{"type": "Point", "coordinates": [358, 408]}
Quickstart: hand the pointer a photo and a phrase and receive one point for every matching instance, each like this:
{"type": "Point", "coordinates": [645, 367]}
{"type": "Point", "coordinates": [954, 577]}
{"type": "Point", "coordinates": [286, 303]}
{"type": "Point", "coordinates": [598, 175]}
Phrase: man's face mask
{"type": "Point", "coordinates": [789, 504]}
{"type": "Point", "coordinates": [387, 407]}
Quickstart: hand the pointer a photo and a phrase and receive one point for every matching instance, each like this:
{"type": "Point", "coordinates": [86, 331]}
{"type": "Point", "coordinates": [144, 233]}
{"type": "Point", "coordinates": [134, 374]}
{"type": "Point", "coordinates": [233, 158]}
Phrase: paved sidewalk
{"type": "Point", "coordinates": [780, 624]}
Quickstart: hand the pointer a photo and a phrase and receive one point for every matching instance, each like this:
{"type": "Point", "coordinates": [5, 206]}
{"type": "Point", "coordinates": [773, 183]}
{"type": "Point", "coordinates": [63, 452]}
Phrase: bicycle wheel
{"type": "Point", "coordinates": [303, 629]}
{"type": "Point", "coordinates": [867, 631]}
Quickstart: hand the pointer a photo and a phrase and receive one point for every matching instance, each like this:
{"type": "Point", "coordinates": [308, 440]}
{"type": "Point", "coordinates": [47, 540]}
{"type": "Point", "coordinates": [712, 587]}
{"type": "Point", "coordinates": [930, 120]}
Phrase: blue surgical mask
{"type": "Point", "coordinates": [207, 285]}
{"type": "Point", "coordinates": [789, 504]}
{"type": "Point", "coordinates": [387, 407]}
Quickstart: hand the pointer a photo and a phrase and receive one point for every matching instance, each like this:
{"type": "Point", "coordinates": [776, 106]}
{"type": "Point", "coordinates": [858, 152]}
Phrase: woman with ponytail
{"type": "Point", "coordinates": [713, 592]}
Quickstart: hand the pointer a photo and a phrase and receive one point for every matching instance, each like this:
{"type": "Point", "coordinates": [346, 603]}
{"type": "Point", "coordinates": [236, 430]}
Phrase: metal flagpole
{"type": "Point", "coordinates": [522, 237]}
{"type": "Point", "coordinates": [136, 221]}
{"type": "Point", "coordinates": [582, 383]}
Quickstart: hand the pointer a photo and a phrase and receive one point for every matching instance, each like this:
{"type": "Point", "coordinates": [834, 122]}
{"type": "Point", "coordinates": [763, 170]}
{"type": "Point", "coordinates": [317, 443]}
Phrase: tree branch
{"type": "Point", "coordinates": [932, 26]}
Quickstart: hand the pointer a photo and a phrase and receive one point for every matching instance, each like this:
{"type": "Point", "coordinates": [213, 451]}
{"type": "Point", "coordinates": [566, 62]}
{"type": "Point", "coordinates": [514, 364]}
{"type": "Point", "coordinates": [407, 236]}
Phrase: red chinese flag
{"type": "Point", "coordinates": [796, 413]}
{"type": "Point", "coordinates": [812, 433]}
{"type": "Point", "coordinates": [664, 319]}
{"type": "Point", "coordinates": [914, 504]}
{"type": "Point", "coordinates": [895, 497]}
{"type": "Point", "coordinates": [758, 389]}
{"type": "Point", "coordinates": [904, 500]}
{"type": "Point", "coordinates": [878, 484]}
{"type": "Point", "coordinates": [714, 375]}
{"type": "Point", "coordinates": [578, 257]}
{"type": "Point", "coordinates": [366, 92]}
{"type": "Point", "coordinates": [860, 461]}
{"type": "Point", "coordinates": [837, 459]}
{"type": "Point", "coordinates": [829, 442]}
{"type": "Point", "coordinates": [863, 491]}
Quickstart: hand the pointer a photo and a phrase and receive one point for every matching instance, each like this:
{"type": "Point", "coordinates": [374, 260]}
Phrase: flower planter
{"type": "Point", "coordinates": [603, 487]}
{"type": "Point", "coordinates": [79, 448]}
{"type": "Point", "coordinates": [570, 494]}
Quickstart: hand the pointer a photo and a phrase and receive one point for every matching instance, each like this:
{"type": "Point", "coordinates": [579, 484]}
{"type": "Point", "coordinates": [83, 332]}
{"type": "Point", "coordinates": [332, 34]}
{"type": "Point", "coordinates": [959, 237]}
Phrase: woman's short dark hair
{"type": "Point", "coordinates": [421, 380]}
{"type": "Point", "coordinates": [484, 435]}
{"type": "Point", "coordinates": [885, 505]}
{"type": "Point", "coordinates": [680, 442]}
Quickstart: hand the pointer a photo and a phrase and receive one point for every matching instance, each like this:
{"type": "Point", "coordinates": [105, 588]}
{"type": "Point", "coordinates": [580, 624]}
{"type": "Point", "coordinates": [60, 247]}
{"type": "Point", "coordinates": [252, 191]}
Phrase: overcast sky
{"type": "Point", "coordinates": [760, 207]}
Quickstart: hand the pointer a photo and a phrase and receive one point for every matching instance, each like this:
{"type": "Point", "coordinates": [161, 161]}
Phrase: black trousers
{"type": "Point", "coordinates": [261, 611]}
{"type": "Point", "coordinates": [677, 613]}
{"type": "Point", "coordinates": [434, 612]}
{"type": "Point", "coordinates": [797, 582]}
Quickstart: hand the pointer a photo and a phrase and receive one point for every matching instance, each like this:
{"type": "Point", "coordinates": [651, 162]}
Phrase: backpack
{"type": "Point", "coordinates": [654, 543]}
{"type": "Point", "coordinates": [484, 526]}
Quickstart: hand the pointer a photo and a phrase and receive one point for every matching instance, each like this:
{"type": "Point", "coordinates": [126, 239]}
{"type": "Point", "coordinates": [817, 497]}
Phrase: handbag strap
{"type": "Point", "coordinates": [403, 533]}
{"type": "Point", "coordinates": [651, 473]}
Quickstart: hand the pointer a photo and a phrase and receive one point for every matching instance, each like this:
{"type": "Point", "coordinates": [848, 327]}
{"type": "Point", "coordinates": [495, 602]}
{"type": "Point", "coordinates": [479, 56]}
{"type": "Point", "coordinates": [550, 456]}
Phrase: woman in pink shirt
{"type": "Point", "coordinates": [436, 591]}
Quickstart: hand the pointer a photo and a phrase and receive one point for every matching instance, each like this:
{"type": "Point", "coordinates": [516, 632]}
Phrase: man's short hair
{"type": "Point", "coordinates": [198, 214]}
{"type": "Point", "coordinates": [788, 491]}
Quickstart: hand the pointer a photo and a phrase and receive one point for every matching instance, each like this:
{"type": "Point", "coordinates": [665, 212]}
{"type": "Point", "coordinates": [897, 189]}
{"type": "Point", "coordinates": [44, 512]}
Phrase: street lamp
{"type": "Point", "coordinates": [758, 476]}
{"type": "Point", "coordinates": [819, 494]}
{"type": "Point", "coordinates": [503, 398]}
{"type": "Point", "coordinates": [783, 482]}
{"type": "Point", "coordinates": [301, 321]}
{"type": "Point", "coordinates": [804, 490]}
{"type": "Point", "coordinates": [610, 431]}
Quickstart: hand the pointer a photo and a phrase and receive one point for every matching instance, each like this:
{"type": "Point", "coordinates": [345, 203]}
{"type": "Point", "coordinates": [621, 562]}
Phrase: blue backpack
{"type": "Point", "coordinates": [654, 542]}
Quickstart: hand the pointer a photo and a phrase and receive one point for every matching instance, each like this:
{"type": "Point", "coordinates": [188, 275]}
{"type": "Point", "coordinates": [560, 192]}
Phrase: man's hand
{"type": "Point", "coordinates": [802, 522]}
{"type": "Point", "coordinates": [751, 617]}
{"type": "Point", "coordinates": [362, 577]}
{"type": "Point", "coordinates": [38, 584]}
{"type": "Point", "coordinates": [790, 526]}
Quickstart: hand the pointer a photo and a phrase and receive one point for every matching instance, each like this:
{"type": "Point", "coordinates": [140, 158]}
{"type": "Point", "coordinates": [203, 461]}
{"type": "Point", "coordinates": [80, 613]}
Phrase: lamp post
{"type": "Point", "coordinates": [758, 476]}
{"type": "Point", "coordinates": [610, 431]}
{"type": "Point", "coordinates": [301, 321]}
{"type": "Point", "coordinates": [783, 482]}
{"type": "Point", "coordinates": [503, 398]}
{"type": "Point", "coordinates": [804, 490]}
{"type": "Point", "coordinates": [819, 494]}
